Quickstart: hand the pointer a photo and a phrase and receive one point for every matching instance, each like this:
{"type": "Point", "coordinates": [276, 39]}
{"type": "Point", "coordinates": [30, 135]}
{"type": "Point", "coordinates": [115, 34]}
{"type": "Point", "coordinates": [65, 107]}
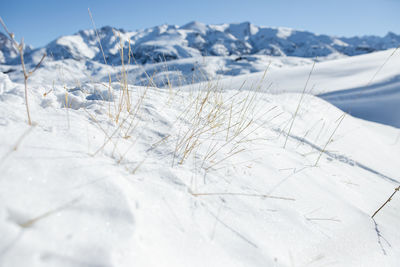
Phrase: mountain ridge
{"type": "Point", "coordinates": [194, 39]}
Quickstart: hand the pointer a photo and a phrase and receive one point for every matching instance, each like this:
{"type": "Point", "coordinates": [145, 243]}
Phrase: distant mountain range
{"type": "Point", "coordinates": [169, 42]}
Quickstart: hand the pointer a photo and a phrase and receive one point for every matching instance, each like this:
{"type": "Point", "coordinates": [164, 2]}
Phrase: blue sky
{"type": "Point", "coordinates": [41, 21]}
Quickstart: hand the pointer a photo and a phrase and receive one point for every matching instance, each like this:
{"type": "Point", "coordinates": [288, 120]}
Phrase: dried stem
{"type": "Point", "coordinates": [387, 201]}
{"type": "Point", "coordinates": [20, 49]}
{"type": "Point", "coordinates": [241, 194]}
{"type": "Point", "coordinates": [298, 106]}
{"type": "Point", "coordinates": [330, 138]}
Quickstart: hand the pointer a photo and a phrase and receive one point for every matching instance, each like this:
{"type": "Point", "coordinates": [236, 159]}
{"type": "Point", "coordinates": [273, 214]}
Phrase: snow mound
{"type": "Point", "coordinates": [91, 186]}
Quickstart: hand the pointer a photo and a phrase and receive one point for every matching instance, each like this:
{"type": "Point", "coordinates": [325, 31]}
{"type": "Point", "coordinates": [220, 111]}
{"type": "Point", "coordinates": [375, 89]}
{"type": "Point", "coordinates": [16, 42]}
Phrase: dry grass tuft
{"type": "Point", "coordinates": [216, 125]}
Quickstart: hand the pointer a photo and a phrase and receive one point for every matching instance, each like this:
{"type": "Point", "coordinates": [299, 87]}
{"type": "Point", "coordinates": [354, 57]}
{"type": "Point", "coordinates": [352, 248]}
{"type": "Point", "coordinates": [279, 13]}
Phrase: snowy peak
{"type": "Point", "coordinates": [195, 26]}
{"type": "Point", "coordinates": [169, 42]}
{"type": "Point", "coordinates": [7, 52]}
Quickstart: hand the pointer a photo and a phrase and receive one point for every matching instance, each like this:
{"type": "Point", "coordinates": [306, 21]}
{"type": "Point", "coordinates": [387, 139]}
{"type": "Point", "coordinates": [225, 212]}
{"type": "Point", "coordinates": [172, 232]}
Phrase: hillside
{"type": "Point", "coordinates": [366, 86]}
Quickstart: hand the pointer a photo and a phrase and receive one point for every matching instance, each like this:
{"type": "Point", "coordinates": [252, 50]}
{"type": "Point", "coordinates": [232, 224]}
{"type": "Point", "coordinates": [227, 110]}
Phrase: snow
{"type": "Point", "coordinates": [378, 102]}
{"type": "Point", "coordinates": [366, 86]}
{"type": "Point", "coordinates": [77, 46]}
{"type": "Point", "coordinates": [200, 39]}
{"type": "Point", "coordinates": [81, 188]}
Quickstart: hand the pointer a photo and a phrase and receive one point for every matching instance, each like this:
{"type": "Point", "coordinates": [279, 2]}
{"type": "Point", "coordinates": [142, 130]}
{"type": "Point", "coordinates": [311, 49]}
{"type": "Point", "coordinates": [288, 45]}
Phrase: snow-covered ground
{"type": "Point", "coordinates": [175, 73]}
{"type": "Point", "coordinates": [366, 86]}
{"type": "Point", "coordinates": [200, 175]}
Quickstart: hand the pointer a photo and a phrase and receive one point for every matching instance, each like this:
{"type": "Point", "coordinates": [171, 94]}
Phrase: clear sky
{"type": "Point", "coordinates": [41, 21]}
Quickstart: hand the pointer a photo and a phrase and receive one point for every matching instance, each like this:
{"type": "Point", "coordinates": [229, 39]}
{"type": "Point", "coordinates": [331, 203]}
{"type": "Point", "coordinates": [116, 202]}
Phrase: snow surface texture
{"type": "Point", "coordinates": [83, 188]}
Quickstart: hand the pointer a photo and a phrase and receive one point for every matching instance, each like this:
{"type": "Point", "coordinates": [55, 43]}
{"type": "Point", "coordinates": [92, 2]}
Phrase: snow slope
{"type": "Point", "coordinates": [366, 86]}
{"type": "Point", "coordinates": [83, 189]}
{"type": "Point", "coordinates": [378, 102]}
{"type": "Point", "coordinates": [327, 76]}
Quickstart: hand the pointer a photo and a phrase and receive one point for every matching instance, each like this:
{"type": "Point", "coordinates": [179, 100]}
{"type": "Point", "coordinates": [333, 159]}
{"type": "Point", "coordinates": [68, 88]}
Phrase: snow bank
{"type": "Point", "coordinates": [81, 189]}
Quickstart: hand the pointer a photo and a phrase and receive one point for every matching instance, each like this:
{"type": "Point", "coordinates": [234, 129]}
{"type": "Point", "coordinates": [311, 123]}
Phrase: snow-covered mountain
{"type": "Point", "coordinates": [169, 42]}
{"type": "Point", "coordinates": [8, 53]}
